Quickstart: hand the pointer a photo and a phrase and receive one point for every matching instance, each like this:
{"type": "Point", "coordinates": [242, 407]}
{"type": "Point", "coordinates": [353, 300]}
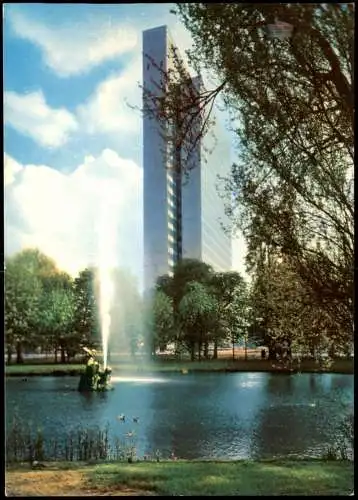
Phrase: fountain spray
{"type": "Point", "coordinates": [106, 261]}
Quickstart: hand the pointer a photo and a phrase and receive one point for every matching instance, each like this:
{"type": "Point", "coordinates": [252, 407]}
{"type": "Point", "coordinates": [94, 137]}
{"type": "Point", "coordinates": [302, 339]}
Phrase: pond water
{"type": "Point", "coordinates": [230, 416]}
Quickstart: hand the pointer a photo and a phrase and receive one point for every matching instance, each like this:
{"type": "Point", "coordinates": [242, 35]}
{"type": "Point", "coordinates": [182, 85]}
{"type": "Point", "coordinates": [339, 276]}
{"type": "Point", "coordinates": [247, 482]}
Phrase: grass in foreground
{"type": "Point", "coordinates": [284, 477]}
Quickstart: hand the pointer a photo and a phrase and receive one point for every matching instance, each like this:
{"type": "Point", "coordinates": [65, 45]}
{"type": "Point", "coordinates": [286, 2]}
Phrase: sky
{"type": "Point", "coordinates": [73, 145]}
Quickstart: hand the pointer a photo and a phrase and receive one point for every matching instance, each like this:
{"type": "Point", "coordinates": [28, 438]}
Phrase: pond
{"type": "Point", "coordinates": [227, 416]}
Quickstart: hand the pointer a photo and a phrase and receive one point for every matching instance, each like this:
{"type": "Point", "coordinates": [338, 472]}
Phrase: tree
{"type": "Point", "coordinates": [198, 315]}
{"type": "Point", "coordinates": [230, 291]}
{"type": "Point", "coordinates": [185, 271]}
{"type": "Point", "coordinates": [25, 275]}
{"type": "Point", "coordinates": [56, 316]}
{"type": "Point", "coordinates": [160, 320]}
{"type": "Point", "coordinates": [22, 291]}
{"type": "Point", "coordinates": [288, 311]}
{"type": "Point", "coordinates": [292, 101]}
{"type": "Point", "coordinates": [86, 317]}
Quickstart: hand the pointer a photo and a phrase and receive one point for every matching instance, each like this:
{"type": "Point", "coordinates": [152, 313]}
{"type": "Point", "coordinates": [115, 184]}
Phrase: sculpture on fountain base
{"type": "Point", "coordinates": [94, 379]}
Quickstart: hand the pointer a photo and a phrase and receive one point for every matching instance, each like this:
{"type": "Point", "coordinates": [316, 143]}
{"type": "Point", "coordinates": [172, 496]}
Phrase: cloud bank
{"type": "Point", "coordinates": [61, 213]}
{"type": "Point", "coordinates": [30, 115]}
{"type": "Point", "coordinates": [76, 48]}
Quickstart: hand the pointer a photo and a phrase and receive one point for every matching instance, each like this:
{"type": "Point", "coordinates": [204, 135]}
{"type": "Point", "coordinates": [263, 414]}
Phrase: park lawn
{"type": "Point", "coordinates": [45, 369]}
{"type": "Point", "coordinates": [168, 365]}
{"type": "Point", "coordinates": [189, 478]}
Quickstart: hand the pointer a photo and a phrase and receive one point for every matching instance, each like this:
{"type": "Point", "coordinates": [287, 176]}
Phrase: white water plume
{"type": "Point", "coordinates": [107, 247]}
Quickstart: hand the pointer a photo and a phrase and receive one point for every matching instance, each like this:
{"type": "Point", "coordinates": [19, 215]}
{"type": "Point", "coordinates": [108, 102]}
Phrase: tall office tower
{"type": "Point", "coordinates": [182, 216]}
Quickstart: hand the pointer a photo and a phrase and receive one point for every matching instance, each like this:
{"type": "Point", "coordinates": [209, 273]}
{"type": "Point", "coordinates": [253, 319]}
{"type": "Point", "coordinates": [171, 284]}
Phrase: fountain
{"type": "Point", "coordinates": [94, 379]}
{"type": "Point", "coordinates": [106, 289]}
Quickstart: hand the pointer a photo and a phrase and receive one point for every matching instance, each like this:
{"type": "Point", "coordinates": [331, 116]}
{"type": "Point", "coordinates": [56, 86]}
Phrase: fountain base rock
{"type": "Point", "coordinates": [95, 379]}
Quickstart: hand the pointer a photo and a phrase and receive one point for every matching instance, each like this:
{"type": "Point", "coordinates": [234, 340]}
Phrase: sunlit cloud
{"type": "Point", "coordinates": [108, 108]}
{"type": "Point", "coordinates": [73, 48]}
{"type": "Point", "coordinates": [59, 213]}
{"type": "Point", "coordinates": [30, 115]}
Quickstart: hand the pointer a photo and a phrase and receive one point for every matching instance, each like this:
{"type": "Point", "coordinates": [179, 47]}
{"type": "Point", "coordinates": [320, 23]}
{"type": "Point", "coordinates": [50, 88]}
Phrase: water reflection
{"type": "Point", "coordinates": [232, 415]}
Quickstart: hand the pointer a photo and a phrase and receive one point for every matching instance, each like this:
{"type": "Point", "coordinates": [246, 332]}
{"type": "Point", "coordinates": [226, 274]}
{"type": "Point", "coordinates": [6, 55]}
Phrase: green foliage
{"type": "Point", "coordinates": [23, 443]}
{"type": "Point", "coordinates": [45, 308]}
{"type": "Point", "coordinates": [24, 285]}
{"type": "Point", "coordinates": [197, 314]}
{"type": "Point", "coordinates": [56, 316]}
{"type": "Point", "coordinates": [291, 102]}
{"type": "Point", "coordinates": [185, 270]}
{"type": "Point", "coordinates": [86, 320]}
{"type": "Point", "coordinates": [231, 293]}
{"type": "Point", "coordinates": [160, 320]}
{"type": "Point", "coordinates": [342, 446]}
{"type": "Point", "coordinates": [207, 306]}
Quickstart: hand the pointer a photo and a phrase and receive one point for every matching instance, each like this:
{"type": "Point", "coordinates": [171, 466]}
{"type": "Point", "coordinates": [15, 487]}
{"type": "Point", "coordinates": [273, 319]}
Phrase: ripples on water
{"type": "Point", "coordinates": [237, 415]}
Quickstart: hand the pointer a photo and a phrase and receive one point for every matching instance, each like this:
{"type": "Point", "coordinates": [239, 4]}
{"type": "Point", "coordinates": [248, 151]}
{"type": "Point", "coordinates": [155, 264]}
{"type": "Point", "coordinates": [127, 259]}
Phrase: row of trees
{"type": "Point", "coordinates": [45, 307]}
{"type": "Point", "coordinates": [197, 307]}
{"type": "Point", "coordinates": [48, 309]}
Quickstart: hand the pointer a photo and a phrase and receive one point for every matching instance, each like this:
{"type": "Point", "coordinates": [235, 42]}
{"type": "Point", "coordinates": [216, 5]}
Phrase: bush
{"type": "Point", "coordinates": [81, 444]}
{"type": "Point", "coordinates": [342, 447]}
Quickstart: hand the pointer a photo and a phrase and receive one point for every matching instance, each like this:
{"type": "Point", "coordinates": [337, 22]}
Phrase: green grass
{"type": "Point", "coordinates": [46, 369]}
{"type": "Point", "coordinates": [162, 366]}
{"type": "Point", "coordinates": [301, 477]}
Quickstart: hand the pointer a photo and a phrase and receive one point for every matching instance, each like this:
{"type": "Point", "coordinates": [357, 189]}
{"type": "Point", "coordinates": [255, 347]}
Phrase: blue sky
{"type": "Point", "coordinates": [69, 70]}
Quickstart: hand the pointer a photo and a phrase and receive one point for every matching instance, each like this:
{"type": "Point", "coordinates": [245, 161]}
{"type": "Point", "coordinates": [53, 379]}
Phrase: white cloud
{"type": "Point", "coordinates": [30, 115]}
{"type": "Point", "coordinates": [107, 110]}
{"type": "Point", "coordinates": [75, 48]}
{"type": "Point", "coordinates": [78, 46]}
{"type": "Point", "coordinates": [11, 168]}
{"type": "Point", "coordinates": [60, 213]}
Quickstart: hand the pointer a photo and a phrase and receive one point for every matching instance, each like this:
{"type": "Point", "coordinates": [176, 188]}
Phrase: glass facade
{"type": "Point", "coordinates": [182, 217]}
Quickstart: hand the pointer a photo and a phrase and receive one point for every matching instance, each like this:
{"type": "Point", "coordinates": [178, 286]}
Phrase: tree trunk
{"type": "Point", "coordinates": [215, 349]}
{"type": "Point", "coordinates": [9, 354]}
{"type": "Point", "coordinates": [245, 348]}
{"type": "Point", "coordinates": [271, 352]}
{"type": "Point", "coordinates": [332, 351]}
{"type": "Point", "coordinates": [233, 349]}
{"type": "Point", "coordinates": [192, 351]}
{"type": "Point", "coordinates": [19, 357]}
{"type": "Point", "coordinates": [199, 350]}
{"type": "Point", "coordinates": [206, 350]}
{"type": "Point", "coordinates": [63, 355]}
{"type": "Point", "coordinates": [56, 360]}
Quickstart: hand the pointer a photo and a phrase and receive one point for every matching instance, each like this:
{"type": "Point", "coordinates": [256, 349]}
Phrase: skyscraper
{"type": "Point", "coordinates": [182, 216]}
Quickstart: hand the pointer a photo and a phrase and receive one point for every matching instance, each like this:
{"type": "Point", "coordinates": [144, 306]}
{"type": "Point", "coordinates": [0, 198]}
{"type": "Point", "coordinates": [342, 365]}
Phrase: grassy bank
{"type": "Point", "coordinates": [54, 369]}
{"type": "Point", "coordinates": [188, 478]}
{"type": "Point", "coordinates": [161, 366]}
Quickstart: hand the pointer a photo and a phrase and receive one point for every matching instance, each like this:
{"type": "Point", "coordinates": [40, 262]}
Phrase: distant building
{"type": "Point", "coordinates": [182, 218]}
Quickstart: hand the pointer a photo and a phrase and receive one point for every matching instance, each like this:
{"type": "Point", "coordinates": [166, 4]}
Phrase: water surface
{"type": "Point", "coordinates": [197, 415]}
